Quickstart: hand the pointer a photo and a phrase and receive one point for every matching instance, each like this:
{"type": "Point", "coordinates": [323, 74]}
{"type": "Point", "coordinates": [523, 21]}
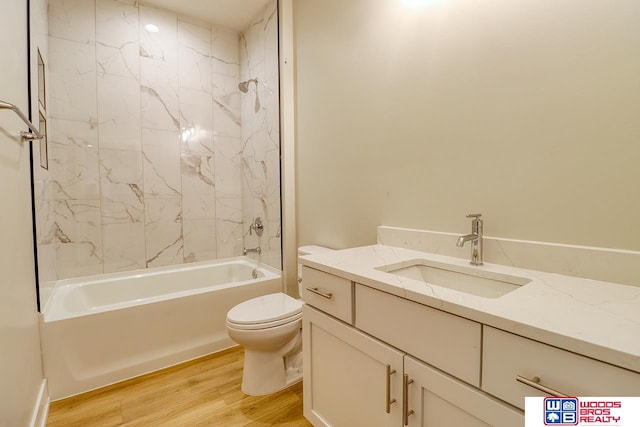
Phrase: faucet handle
{"type": "Point", "coordinates": [475, 216]}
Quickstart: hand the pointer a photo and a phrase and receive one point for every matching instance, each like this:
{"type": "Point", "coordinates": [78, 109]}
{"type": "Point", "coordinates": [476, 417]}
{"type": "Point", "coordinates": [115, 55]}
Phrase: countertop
{"type": "Point", "coordinates": [597, 319]}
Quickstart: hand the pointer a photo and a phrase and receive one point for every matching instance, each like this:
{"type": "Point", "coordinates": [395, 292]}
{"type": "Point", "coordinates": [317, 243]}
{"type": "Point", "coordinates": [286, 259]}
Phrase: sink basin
{"type": "Point", "coordinates": [473, 281]}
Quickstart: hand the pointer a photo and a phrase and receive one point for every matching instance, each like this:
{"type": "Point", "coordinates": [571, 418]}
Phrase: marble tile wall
{"type": "Point", "coordinates": [146, 135]}
{"type": "Point", "coordinates": [42, 178]}
{"type": "Point", "coordinates": [261, 133]}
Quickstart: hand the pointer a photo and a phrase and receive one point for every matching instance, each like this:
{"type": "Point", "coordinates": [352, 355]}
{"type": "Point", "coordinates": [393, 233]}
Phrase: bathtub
{"type": "Point", "coordinates": [103, 329]}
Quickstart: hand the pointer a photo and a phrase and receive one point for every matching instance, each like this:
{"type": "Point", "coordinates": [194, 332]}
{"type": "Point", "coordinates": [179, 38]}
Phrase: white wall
{"type": "Point", "coordinates": [20, 362]}
{"type": "Point", "coordinates": [524, 111]}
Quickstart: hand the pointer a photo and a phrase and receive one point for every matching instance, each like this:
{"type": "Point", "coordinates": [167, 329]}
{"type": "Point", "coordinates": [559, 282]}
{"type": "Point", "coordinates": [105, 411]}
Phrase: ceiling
{"type": "Point", "coordinates": [234, 14]}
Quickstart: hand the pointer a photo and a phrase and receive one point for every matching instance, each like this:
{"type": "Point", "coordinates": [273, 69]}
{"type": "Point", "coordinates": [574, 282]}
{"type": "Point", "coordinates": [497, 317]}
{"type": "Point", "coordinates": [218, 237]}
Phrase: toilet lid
{"type": "Point", "coordinates": [264, 309]}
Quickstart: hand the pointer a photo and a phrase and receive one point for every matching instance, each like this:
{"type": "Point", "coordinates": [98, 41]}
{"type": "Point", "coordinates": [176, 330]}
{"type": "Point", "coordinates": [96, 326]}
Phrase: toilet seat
{"type": "Point", "coordinates": [266, 311]}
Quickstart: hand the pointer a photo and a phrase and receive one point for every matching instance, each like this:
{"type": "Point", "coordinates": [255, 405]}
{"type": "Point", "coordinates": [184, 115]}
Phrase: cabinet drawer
{"type": "Point", "coordinates": [505, 356]}
{"type": "Point", "coordinates": [443, 340]}
{"type": "Point", "coordinates": [329, 293]}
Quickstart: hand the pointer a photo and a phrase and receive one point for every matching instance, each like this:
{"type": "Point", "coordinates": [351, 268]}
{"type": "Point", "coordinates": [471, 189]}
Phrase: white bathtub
{"type": "Point", "coordinates": [103, 329]}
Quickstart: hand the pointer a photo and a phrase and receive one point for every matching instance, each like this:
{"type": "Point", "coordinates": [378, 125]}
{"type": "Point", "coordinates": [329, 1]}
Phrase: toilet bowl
{"type": "Point", "coordinates": [269, 328]}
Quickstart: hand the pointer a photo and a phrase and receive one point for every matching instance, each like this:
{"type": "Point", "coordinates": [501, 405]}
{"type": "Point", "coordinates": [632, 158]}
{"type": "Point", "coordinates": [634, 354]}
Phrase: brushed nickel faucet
{"type": "Point", "coordinates": [251, 251]}
{"type": "Point", "coordinates": [475, 238]}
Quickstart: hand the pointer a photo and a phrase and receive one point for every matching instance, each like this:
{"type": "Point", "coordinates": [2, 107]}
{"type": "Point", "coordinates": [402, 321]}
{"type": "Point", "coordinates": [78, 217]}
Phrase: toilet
{"type": "Point", "coordinates": [269, 328]}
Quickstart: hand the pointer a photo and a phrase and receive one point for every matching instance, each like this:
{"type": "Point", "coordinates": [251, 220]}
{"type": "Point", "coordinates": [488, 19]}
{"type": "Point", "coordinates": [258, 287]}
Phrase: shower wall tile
{"type": "Point", "coordinates": [161, 45]}
{"type": "Point", "coordinates": [150, 135]}
{"type": "Point", "coordinates": [194, 53]}
{"type": "Point", "coordinates": [121, 61]}
{"type": "Point", "coordinates": [164, 244]}
{"type": "Point", "coordinates": [163, 210]}
{"type": "Point", "coordinates": [43, 194]}
{"type": "Point", "coordinates": [225, 52]}
{"type": "Point", "coordinates": [117, 47]}
{"type": "Point", "coordinates": [45, 237]}
{"type": "Point", "coordinates": [228, 164]}
{"type": "Point", "coordinates": [73, 160]}
{"type": "Point", "coordinates": [118, 113]}
{"type": "Point", "coordinates": [116, 23]}
{"type": "Point", "coordinates": [72, 80]}
{"type": "Point", "coordinates": [78, 237]}
{"type": "Point", "coordinates": [196, 119]}
{"type": "Point", "coordinates": [160, 105]}
{"type": "Point", "coordinates": [229, 226]}
{"type": "Point", "coordinates": [68, 20]}
{"type": "Point", "coordinates": [226, 106]}
{"type": "Point", "coordinates": [161, 164]}
{"type": "Point", "coordinates": [271, 57]}
{"type": "Point", "coordinates": [200, 240]}
{"type": "Point", "coordinates": [121, 183]}
{"type": "Point", "coordinates": [123, 246]}
{"type": "Point", "coordinates": [198, 186]}
{"type": "Point", "coordinates": [260, 135]}
{"type": "Point", "coordinates": [163, 232]}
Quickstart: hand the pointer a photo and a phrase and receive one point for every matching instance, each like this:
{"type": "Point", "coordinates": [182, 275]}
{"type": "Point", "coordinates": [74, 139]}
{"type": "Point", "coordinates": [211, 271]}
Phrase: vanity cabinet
{"type": "Point", "coordinates": [346, 376]}
{"type": "Point", "coordinates": [379, 350]}
{"type": "Point", "coordinates": [367, 375]}
{"type": "Point", "coordinates": [435, 399]}
{"type": "Point", "coordinates": [450, 343]}
{"type": "Point", "coordinates": [507, 357]}
{"type": "Point", "coordinates": [329, 293]}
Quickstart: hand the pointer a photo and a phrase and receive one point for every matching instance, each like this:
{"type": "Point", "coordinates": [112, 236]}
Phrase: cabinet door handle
{"type": "Point", "coordinates": [405, 399]}
{"type": "Point", "coordinates": [389, 401]}
{"type": "Point", "coordinates": [316, 291]}
{"type": "Point", "coordinates": [535, 383]}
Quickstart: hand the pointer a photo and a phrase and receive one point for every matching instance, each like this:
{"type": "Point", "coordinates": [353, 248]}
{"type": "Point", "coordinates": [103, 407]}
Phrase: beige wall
{"type": "Point", "coordinates": [20, 362]}
{"type": "Point", "coordinates": [527, 111]}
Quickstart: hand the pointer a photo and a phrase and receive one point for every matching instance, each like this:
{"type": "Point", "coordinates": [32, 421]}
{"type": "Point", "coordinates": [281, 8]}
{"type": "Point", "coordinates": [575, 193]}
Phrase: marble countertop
{"type": "Point", "coordinates": [597, 319]}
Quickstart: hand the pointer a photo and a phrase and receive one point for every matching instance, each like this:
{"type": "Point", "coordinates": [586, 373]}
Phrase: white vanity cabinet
{"type": "Point", "coordinates": [448, 342]}
{"type": "Point", "coordinates": [507, 357]}
{"type": "Point", "coordinates": [353, 378]}
{"type": "Point", "coordinates": [350, 379]}
{"type": "Point", "coordinates": [384, 349]}
{"type": "Point", "coordinates": [435, 399]}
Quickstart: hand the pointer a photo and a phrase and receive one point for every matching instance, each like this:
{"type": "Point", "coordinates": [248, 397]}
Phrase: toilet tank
{"type": "Point", "coordinates": [308, 250]}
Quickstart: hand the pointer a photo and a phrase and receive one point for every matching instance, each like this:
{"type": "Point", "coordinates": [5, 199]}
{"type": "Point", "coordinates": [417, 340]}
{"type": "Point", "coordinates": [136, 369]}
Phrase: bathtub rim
{"type": "Point", "coordinates": [67, 285]}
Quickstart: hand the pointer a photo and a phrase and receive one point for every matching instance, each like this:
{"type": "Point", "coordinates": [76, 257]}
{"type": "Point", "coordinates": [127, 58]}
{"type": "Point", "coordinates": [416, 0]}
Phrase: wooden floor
{"type": "Point", "coordinates": [205, 391]}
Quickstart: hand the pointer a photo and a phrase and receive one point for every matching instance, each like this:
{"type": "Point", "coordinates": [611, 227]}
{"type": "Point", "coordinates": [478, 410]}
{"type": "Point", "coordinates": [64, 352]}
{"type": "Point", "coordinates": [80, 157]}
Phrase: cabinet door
{"type": "Point", "coordinates": [438, 400]}
{"type": "Point", "coordinates": [345, 375]}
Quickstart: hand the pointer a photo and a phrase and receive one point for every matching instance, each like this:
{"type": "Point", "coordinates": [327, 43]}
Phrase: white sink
{"type": "Point", "coordinates": [471, 280]}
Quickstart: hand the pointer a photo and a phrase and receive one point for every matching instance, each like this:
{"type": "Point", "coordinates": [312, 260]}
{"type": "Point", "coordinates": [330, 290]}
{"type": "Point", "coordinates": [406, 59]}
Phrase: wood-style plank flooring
{"type": "Point", "coordinates": [205, 391]}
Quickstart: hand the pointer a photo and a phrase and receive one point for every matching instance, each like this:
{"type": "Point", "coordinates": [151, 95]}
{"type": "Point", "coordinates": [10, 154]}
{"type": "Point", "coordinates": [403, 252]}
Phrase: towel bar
{"type": "Point", "coordinates": [26, 136]}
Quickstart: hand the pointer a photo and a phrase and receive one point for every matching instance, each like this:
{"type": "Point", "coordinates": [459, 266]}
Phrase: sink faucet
{"type": "Point", "coordinates": [475, 237]}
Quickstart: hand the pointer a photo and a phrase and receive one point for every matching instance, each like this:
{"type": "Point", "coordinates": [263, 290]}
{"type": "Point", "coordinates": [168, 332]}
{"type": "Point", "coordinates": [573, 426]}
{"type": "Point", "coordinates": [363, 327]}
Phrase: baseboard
{"type": "Point", "coordinates": [41, 408]}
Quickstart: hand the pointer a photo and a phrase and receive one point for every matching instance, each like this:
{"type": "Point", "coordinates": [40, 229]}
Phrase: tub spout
{"type": "Point", "coordinates": [252, 250]}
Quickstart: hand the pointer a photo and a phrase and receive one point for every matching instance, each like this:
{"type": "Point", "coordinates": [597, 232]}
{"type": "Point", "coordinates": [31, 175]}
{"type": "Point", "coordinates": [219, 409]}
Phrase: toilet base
{"type": "Point", "coordinates": [266, 372]}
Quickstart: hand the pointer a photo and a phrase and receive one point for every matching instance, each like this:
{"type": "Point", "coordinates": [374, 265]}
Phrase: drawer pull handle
{"type": "Point", "coordinates": [535, 383]}
{"type": "Point", "coordinates": [389, 401]}
{"type": "Point", "coordinates": [405, 399]}
{"type": "Point", "coordinates": [327, 295]}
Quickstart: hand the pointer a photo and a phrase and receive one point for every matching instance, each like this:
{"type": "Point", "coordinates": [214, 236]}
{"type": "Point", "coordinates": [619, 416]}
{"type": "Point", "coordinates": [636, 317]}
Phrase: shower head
{"type": "Point", "coordinates": [244, 86]}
